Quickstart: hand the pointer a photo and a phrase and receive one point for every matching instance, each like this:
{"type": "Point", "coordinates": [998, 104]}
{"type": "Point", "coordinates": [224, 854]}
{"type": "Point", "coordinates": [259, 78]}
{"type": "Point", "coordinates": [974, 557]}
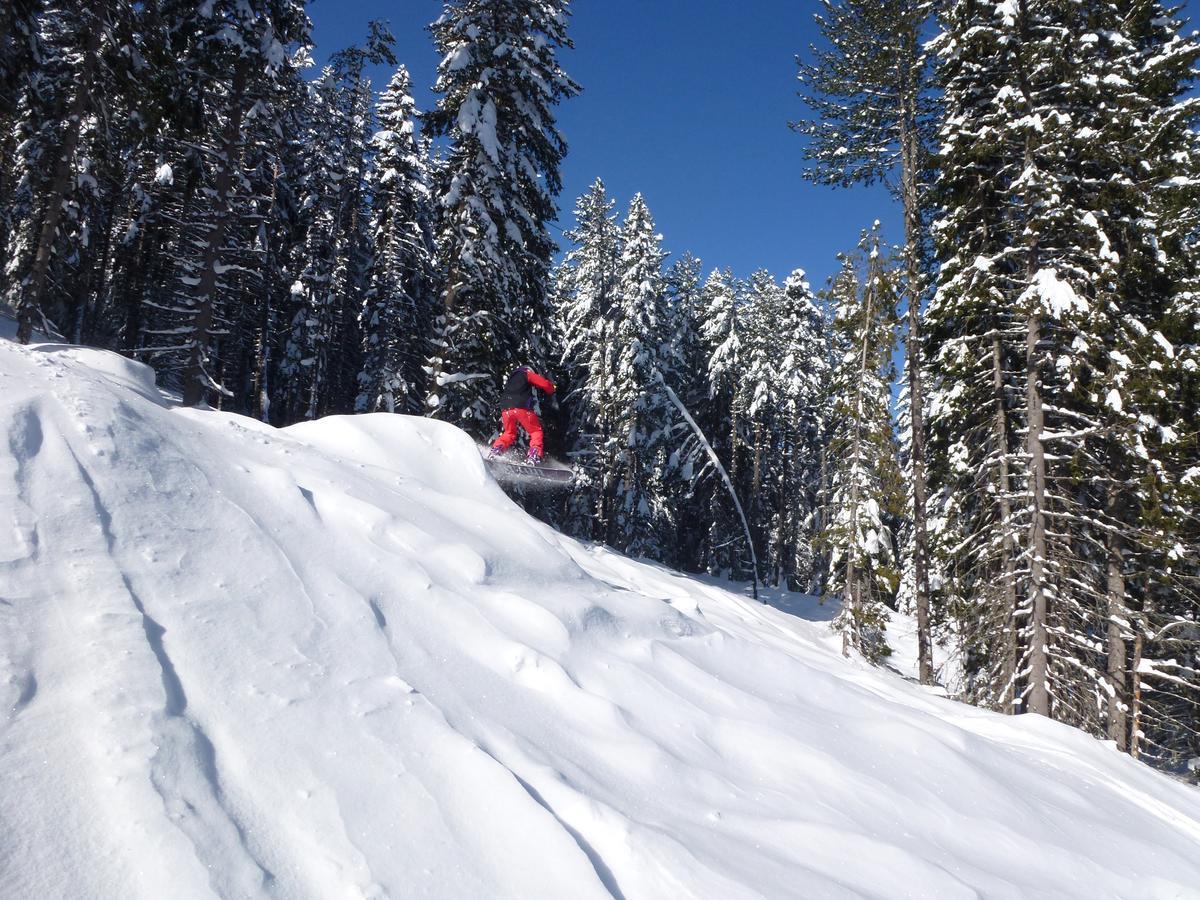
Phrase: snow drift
{"type": "Point", "coordinates": [334, 660]}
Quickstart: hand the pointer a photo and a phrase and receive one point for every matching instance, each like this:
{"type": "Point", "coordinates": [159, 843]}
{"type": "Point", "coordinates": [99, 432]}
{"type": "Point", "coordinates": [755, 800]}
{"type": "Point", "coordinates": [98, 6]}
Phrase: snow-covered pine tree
{"type": "Point", "coordinates": [1057, 257]}
{"type": "Point", "coordinates": [234, 60]}
{"type": "Point", "coordinates": [761, 390]}
{"type": "Point", "coordinates": [1136, 158]}
{"type": "Point", "coordinates": [331, 282]}
{"type": "Point", "coordinates": [866, 494]}
{"type": "Point", "coordinates": [585, 295]}
{"type": "Point", "coordinates": [156, 132]}
{"type": "Point", "coordinates": [779, 395]}
{"type": "Point", "coordinates": [21, 53]}
{"type": "Point", "coordinates": [975, 356]}
{"type": "Point", "coordinates": [499, 80]}
{"type": "Point", "coordinates": [397, 313]}
{"type": "Point", "coordinates": [723, 333]}
{"type": "Point", "coordinates": [55, 112]}
{"type": "Point", "coordinates": [782, 391]}
{"type": "Point", "coordinates": [804, 372]}
{"type": "Point", "coordinates": [690, 500]}
{"type": "Point", "coordinates": [642, 412]}
{"type": "Point", "coordinates": [278, 183]}
{"type": "Point", "coordinates": [874, 113]}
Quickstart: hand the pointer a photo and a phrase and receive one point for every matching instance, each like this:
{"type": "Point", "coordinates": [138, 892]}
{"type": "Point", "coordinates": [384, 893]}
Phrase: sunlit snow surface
{"type": "Point", "coordinates": [336, 661]}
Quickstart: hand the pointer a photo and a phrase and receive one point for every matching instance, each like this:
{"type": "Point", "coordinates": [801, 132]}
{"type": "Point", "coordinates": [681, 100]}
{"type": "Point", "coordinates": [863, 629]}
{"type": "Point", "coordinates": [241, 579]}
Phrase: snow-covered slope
{"type": "Point", "coordinates": [335, 661]}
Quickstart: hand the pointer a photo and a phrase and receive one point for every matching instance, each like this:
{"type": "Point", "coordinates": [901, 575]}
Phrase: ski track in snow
{"type": "Point", "coordinates": [334, 660]}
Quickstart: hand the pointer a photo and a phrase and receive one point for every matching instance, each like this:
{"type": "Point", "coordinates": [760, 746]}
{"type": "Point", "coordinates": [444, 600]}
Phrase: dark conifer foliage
{"type": "Point", "coordinates": [399, 301]}
{"type": "Point", "coordinates": [1058, 406]}
{"type": "Point", "coordinates": [235, 59]}
{"type": "Point", "coordinates": [322, 359]}
{"type": "Point", "coordinates": [864, 498]}
{"type": "Point", "coordinates": [57, 103]}
{"type": "Point", "coordinates": [874, 113]}
{"type": "Point", "coordinates": [1056, 350]}
{"type": "Point", "coordinates": [175, 189]}
{"type": "Point", "coordinates": [20, 52]}
{"type": "Point", "coordinates": [747, 359]}
{"type": "Point", "coordinates": [499, 79]}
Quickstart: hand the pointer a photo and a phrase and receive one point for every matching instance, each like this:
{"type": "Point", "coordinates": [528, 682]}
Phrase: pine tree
{"type": "Point", "coordinates": [874, 111]}
{"type": "Point", "coordinates": [279, 183]}
{"type": "Point", "coordinates": [865, 482]}
{"type": "Point", "coordinates": [234, 61]}
{"type": "Point", "coordinates": [770, 419]}
{"type": "Point", "coordinates": [499, 80]}
{"type": "Point", "coordinates": [585, 298]}
{"type": "Point", "coordinates": [690, 500]}
{"type": "Point", "coordinates": [20, 53]}
{"type": "Point", "coordinates": [722, 332]}
{"type": "Point", "coordinates": [56, 114]}
{"type": "Point", "coordinates": [1059, 269]}
{"type": "Point", "coordinates": [20, 48]}
{"type": "Point", "coordinates": [325, 343]}
{"type": "Point", "coordinates": [802, 342]}
{"type": "Point", "coordinates": [399, 299]}
{"type": "Point", "coordinates": [641, 410]}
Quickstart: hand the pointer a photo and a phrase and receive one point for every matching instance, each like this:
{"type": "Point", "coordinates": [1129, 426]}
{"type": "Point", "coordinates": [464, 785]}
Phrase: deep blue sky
{"type": "Point", "coordinates": [687, 101]}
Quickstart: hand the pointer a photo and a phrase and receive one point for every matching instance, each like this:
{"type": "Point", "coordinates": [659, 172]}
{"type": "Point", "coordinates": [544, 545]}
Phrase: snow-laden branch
{"type": "Point", "coordinates": [712, 455]}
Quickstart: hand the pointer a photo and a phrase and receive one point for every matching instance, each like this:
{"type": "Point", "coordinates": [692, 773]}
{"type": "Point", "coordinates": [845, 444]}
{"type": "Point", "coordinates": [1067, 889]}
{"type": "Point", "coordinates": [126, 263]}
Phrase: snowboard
{"type": "Point", "coordinates": [511, 470]}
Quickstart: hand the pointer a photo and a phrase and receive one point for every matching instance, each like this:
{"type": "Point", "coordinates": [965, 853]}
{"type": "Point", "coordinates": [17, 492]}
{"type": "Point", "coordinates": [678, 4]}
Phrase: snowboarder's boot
{"type": "Point", "coordinates": [534, 458]}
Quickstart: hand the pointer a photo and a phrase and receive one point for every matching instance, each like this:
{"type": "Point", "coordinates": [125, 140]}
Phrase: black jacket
{"type": "Point", "coordinates": [518, 390]}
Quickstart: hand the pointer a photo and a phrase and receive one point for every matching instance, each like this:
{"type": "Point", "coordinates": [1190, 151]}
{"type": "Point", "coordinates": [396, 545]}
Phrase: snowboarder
{"type": "Point", "coordinates": [516, 403]}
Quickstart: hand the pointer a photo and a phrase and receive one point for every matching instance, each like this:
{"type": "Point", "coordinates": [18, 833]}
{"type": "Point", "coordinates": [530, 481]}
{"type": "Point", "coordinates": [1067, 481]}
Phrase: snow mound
{"type": "Point", "coordinates": [334, 660]}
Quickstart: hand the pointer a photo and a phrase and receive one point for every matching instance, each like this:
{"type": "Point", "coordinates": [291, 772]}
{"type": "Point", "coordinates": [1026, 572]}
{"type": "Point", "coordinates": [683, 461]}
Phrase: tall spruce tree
{"type": "Point", "coordinates": [499, 79]}
{"type": "Point", "coordinates": [235, 60]}
{"type": "Point", "coordinates": [1059, 271]}
{"type": "Point", "coordinates": [323, 354]}
{"type": "Point", "coordinates": [802, 342]}
{"type": "Point", "coordinates": [399, 296]}
{"type": "Point", "coordinates": [641, 410]}
{"type": "Point", "coordinates": [585, 298]}
{"type": "Point", "coordinates": [21, 54]}
{"type": "Point", "coordinates": [56, 112]}
{"type": "Point", "coordinates": [874, 111]}
{"type": "Point", "coordinates": [723, 331]}
{"type": "Point", "coordinates": [690, 500]}
{"type": "Point", "coordinates": [865, 481]}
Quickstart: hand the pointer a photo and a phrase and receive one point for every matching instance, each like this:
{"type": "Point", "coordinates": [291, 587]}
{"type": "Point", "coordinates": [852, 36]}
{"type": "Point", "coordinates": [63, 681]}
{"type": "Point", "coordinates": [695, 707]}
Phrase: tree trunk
{"type": "Point", "coordinates": [134, 290]}
{"type": "Point", "coordinates": [1118, 614]}
{"type": "Point", "coordinates": [783, 529]}
{"type": "Point", "coordinates": [1135, 702]}
{"type": "Point", "coordinates": [262, 362]}
{"type": "Point", "coordinates": [912, 238]}
{"type": "Point", "coordinates": [820, 580]}
{"type": "Point", "coordinates": [30, 304]}
{"type": "Point", "coordinates": [850, 635]}
{"type": "Point", "coordinates": [91, 304]}
{"type": "Point", "coordinates": [852, 586]}
{"type": "Point", "coordinates": [1039, 654]}
{"type": "Point", "coordinates": [1008, 540]}
{"type": "Point", "coordinates": [196, 379]}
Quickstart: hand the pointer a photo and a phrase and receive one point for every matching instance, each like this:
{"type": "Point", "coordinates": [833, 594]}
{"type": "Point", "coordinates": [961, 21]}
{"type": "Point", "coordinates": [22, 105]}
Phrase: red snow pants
{"type": "Point", "coordinates": [528, 420]}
